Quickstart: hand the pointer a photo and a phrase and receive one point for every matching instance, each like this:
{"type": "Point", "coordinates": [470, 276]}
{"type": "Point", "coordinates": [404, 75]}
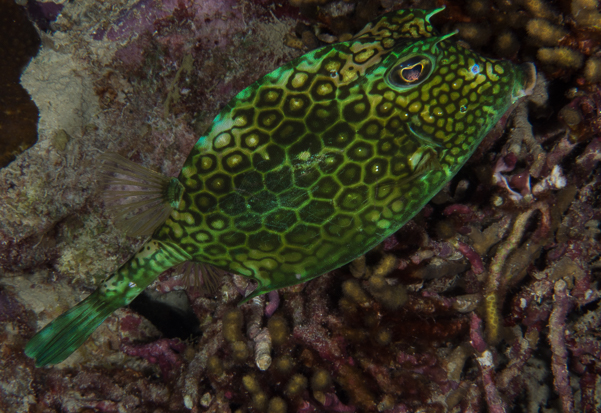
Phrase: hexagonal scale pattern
{"type": "Point", "coordinates": [318, 161]}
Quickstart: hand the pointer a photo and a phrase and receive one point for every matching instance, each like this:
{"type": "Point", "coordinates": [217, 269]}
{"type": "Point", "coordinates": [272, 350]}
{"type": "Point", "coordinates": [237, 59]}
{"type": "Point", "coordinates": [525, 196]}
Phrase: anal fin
{"type": "Point", "coordinates": [201, 277]}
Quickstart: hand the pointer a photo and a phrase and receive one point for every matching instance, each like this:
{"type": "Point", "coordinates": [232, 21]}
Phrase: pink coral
{"type": "Point", "coordinates": [163, 352]}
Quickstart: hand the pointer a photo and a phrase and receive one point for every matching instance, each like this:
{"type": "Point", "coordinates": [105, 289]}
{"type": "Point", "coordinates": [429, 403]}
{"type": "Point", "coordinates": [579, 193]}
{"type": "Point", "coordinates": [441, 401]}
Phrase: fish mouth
{"type": "Point", "coordinates": [529, 80]}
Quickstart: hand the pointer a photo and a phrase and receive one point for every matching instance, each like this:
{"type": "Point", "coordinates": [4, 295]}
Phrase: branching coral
{"type": "Point", "coordinates": [534, 30]}
{"type": "Point", "coordinates": [557, 326]}
{"type": "Point", "coordinates": [494, 287]}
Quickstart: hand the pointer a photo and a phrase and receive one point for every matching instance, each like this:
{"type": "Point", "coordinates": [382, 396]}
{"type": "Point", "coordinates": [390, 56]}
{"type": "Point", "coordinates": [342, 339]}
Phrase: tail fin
{"type": "Point", "coordinates": [62, 336]}
{"type": "Point", "coordinates": [66, 333]}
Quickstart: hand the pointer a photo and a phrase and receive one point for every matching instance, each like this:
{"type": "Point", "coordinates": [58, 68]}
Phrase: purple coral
{"type": "Point", "coordinates": [163, 352]}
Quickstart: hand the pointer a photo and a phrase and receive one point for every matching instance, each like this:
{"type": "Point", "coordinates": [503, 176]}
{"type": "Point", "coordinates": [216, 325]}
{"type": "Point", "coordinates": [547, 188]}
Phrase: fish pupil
{"type": "Point", "coordinates": [410, 71]}
{"type": "Point", "coordinates": [411, 74]}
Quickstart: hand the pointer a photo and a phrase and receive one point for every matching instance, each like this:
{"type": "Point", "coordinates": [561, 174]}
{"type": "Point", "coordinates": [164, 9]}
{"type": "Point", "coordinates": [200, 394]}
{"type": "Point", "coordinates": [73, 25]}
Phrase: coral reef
{"type": "Point", "coordinates": [488, 300]}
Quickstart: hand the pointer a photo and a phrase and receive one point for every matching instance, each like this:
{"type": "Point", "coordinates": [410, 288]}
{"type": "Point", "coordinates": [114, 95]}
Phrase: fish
{"type": "Point", "coordinates": [307, 168]}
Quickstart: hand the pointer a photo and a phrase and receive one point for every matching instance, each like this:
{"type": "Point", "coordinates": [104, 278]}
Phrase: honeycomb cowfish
{"type": "Point", "coordinates": [309, 167]}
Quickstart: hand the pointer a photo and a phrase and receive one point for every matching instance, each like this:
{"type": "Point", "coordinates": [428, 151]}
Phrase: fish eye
{"type": "Point", "coordinates": [409, 72]}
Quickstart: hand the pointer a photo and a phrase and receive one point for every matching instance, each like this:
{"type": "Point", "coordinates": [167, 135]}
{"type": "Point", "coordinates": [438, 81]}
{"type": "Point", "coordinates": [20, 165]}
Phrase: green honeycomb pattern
{"type": "Point", "coordinates": [320, 160]}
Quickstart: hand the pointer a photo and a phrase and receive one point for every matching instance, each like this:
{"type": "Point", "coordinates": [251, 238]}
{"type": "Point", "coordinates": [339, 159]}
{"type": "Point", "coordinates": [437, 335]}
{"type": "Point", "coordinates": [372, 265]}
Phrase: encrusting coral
{"type": "Point", "coordinates": [496, 281]}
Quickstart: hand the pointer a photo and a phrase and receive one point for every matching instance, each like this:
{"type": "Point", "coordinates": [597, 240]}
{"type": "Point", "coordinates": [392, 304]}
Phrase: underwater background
{"type": "Point", "coordinates": [518, 227]}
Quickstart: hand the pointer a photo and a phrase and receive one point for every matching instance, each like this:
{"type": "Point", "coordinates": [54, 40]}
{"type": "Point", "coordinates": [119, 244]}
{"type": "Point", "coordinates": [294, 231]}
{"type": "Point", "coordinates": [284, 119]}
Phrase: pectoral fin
{"type": "Point", "coordinates": [140, 199]}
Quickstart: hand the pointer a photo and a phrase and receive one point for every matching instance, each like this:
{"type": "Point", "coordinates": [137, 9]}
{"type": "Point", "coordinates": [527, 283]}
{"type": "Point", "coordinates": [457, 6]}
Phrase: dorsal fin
{"type": "Point", "coordinates": [140, 199]}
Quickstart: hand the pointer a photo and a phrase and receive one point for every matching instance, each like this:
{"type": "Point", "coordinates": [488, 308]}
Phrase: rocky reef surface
{"type": "Point", "coordinates": [488, 300]}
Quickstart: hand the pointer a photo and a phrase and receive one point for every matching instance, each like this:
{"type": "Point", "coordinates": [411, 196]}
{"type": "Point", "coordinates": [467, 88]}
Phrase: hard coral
{"type": "Point", "coordinates": [558, 39]}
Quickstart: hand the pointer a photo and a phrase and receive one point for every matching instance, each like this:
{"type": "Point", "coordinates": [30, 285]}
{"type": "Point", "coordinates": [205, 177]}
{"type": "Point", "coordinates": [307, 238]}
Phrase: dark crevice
{"type": "Point", "coordinates": [170, 313]}
{"type": "Point", "coordinates": [19, 42]}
